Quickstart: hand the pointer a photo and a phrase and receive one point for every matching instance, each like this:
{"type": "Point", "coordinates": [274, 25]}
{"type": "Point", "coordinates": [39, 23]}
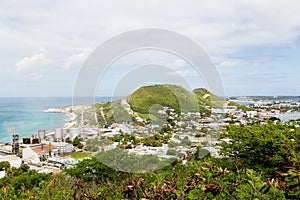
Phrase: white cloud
{"type": "Point", "coordinates": [228, 62]}
{"type": "Point", "coordinates": [186, 73]}
{"type": "Point", "coordinates": [182, 68]}
{"type": "Point", "coordinates": [76, 60]}
{"type": "Point", "coordinates": [34, 62]}
{"type": "Point", "coordinates": [222, 28]}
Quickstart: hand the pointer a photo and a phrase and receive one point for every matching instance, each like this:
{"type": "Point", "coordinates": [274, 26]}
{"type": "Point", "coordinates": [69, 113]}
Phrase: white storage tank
{"type": "Point", "coordinates": [58, 134]}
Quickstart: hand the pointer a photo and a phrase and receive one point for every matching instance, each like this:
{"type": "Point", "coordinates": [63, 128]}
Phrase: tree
{"type": "Point", "coordinates": [29, 180]}
{"type": "Point", "coordinates": [4, 165]}
{"type": "Point", "coordinates": [267, 148]}
{"type": "Point", "coordinates": [91, 170]}
{"type": "Point", "coordinates": [68, 140]}
{"type": "Point", "coordinates": [77, 142]}
{"type": "Point", "coordinates": [24, 168]}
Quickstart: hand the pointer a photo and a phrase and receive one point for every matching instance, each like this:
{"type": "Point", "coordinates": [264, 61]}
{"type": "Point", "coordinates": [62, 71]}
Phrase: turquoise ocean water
{"type": "Point", "coordinates": [26, 116]}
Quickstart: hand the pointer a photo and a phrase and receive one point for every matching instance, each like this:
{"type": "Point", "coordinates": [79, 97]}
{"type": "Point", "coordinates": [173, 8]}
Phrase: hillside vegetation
{"type": "Point", "coordinates": [262, 162]}
{"type": "Point", "coordinates": [206, 98]}
{"type": "Point", "coordinates": [108, 111]}
{"type": "Point", "coordinates": [146, 99]}
{"type": "Point", "coordinates": [182, 100]}
{"type": "Point", "coordinates": [172, 96]}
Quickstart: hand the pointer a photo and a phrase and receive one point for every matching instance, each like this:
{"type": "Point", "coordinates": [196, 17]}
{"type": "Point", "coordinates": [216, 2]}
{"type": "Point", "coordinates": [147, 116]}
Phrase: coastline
{"type": "Point", "coordinates": [66, 111]}
{"type": "Point", "coordinates": [75, 115]}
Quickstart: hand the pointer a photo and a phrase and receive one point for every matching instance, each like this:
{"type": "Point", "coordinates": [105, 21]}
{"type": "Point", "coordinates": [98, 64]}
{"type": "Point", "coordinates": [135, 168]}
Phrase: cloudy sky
{"type": "Point", "coordinates": [253, 44]}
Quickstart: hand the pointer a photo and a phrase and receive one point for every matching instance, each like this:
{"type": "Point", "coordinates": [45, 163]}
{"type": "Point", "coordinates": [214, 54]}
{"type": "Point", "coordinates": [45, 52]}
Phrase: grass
{"type": "Point", "coordinates": [148, 99]}
{"type": "Point", "coordinates": [147, 116]}
{"type": "Point", "coordinates": [80, 155]}
{"type": "Point", "coordinates": [143, 99]}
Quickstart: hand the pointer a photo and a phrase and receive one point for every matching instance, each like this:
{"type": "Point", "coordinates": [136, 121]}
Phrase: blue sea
{"type": "Point", "coordinates": [26, 116]}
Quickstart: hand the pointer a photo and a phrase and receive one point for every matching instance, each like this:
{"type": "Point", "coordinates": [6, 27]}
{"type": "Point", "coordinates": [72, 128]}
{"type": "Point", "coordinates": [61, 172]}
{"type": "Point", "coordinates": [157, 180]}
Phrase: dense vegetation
{"type": "Point", "coordinates": [104, 113]}
{"type": "Point", "coordinates": [111, 112]}
{"type": "Point", "coordinates": [272, 147]}
{"type": "Point", "coordinates": [148, 99]}
{"type": "Point", "coordinates": [262, 162]}
{"type": "Point", "coordinates": [172, 96]}
{"type": "Point", "coordinates": [206, 98]}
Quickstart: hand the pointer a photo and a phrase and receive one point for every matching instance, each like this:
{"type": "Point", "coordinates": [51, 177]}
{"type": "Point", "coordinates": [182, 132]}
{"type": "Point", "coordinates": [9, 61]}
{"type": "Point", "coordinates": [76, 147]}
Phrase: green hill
{"type": "Point", "coordinates": [207, 100]}
{"type": "Point", "coordinates": [172, 96]}
{"type": "Point", "coordinates": [146, 99]}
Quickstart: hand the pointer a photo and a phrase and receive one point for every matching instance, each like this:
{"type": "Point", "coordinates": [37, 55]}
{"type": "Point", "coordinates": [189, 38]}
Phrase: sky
{"type": "Point", "coordinates": [253, 44]}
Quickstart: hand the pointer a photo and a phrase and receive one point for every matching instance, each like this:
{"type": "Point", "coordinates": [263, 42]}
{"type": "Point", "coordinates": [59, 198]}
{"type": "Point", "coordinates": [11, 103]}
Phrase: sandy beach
{"type": "Point", "coordinates": [67, 111]}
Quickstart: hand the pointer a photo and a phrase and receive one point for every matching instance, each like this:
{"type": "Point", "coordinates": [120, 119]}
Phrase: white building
{"type": "Point", "coordinates": [63, 147]}
{"type": "Point", "coordinates": [251, 114]}
{"type": "Point", "coordinates": [30, 155]}
{"type": "Point", "coordinates": [13, 160]}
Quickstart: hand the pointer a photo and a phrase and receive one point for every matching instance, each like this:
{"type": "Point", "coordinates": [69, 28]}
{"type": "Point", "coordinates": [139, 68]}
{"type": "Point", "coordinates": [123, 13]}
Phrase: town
{"type": "Point", "coordinates": [168, 135]}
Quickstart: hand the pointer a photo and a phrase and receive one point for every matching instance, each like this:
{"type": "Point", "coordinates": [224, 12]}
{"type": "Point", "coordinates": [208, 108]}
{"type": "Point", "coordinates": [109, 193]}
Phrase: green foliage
{"type": "Point", "coordinates": [21, 184]}
{"type": "Point", "coordinates": [146, 100]}
{"type": "Point", "coordinates": [91, 170]}
{"type": "Point", "coordinates": [199, 180]}
{"type": "Point", "coordinates": [172, 96]}
{"type": "Point", "coordinates": [272, 149]}
{"type": "Point", "coordinates": [77, 142]}
{"type": "Point", "coordinates": [206, 178]}
{"type": "Point", "coordinates": [126, 162]}
{"type": "Point", "coordinates": [14, 171]}
{"type": "Point", "coordinates": [29, 180]}
{"type": "Point", "coordinates": [260, 162]}
{"type": "Point", "coordinates": [267, 148]}
{"type": "Point", "coordinates": [80, 155]}
{"type": "Point", "coordinates": [152, 142]}
{"type": "Point", "coordinates": [104, 113]}
{"type": "Point", "coordinates": [111, 112]}
{"type": "Point", "coordinates": [4, 165]}
{"type": "Point", "coordinates": [60, 186]}
{"type": "Point", "coordinates": [206, 98]}
{"type": "Point", "coordinates": [68, 140]}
